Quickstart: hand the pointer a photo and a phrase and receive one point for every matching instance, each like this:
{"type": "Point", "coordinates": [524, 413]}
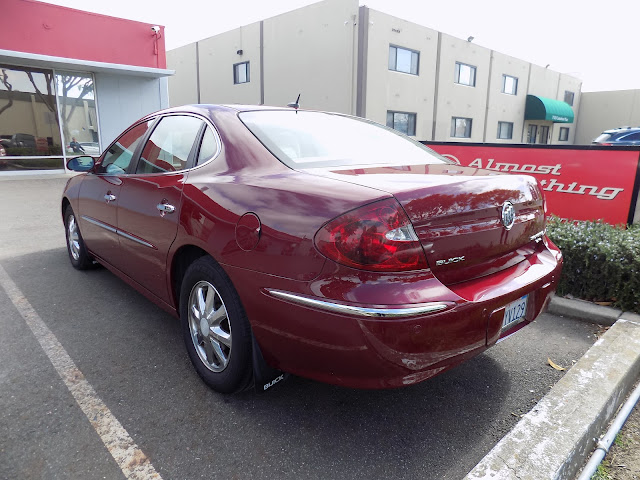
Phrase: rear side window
{"type": "Point", "coordinates": [169, 146]}
{"type": "Point", "coordinates": [118, 157]}
{"type": "Point", "coordinates": [208, 147]}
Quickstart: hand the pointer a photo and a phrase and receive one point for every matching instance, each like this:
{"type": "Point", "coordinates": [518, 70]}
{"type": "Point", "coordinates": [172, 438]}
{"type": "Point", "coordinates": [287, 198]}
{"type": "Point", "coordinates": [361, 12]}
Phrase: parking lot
{"type": "Point", "coordinates": [131, 353]}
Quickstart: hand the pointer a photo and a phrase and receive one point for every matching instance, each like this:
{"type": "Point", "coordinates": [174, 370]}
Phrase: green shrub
{"type": "Point", "coordinates": [601, 262]}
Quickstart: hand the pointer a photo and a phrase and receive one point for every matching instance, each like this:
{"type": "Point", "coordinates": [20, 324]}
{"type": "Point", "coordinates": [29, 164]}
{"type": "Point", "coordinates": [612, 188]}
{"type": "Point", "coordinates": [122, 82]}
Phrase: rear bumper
{"type": "Point", "coordinates": [362, 330]}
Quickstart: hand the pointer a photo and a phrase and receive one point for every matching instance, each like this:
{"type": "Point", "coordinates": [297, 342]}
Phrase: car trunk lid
{"type": "Point", "coordinates": [457, 213]}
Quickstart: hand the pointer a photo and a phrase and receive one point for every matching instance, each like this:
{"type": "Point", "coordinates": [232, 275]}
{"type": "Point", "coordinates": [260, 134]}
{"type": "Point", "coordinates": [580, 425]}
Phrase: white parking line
{"type": "Point", "coordinates": [131, 460]}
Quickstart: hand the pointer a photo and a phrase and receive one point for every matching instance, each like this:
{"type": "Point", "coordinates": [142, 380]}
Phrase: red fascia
{"type": "Point", "coordinates": [41, 28]}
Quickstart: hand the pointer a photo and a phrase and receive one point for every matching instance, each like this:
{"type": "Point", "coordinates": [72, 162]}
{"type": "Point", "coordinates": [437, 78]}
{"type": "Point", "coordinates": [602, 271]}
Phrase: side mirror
{"type": "Point", "coordinates": [84, 163]}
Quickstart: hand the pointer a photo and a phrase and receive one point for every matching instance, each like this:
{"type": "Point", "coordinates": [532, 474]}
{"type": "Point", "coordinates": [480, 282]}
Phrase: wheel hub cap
{"type": "Point", "coordinates": [209, 326]}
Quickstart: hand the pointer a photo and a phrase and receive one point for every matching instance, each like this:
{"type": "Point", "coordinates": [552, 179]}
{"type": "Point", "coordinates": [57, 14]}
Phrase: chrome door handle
{"type": "Point", "coordinates": [165, 208]}
{"type": "Point", "coordinates": [109, 197]}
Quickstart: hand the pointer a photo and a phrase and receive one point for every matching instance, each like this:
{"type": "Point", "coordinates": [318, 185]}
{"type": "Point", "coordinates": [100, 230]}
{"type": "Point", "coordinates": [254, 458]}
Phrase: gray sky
{"type": "Point", "coordinates": [591, 40]}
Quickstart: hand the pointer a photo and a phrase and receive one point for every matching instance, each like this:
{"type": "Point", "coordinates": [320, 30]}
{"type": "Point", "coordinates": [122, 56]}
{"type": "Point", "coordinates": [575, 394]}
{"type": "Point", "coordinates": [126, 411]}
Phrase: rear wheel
{"type": "Point", "coordinates": [76, 248]}
{"type": "Point", "coordinates": [215, 328]}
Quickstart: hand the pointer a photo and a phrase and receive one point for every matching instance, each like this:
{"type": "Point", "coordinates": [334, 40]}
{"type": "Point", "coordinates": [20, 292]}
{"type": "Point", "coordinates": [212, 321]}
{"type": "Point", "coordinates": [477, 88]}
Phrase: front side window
{"type": "Point", "coordinates": [563, 136]}
{"type": "Point", "coordinates": [568, 97]}
{"type": "Point", "coordinates": [168, 148]}
{"type": "Point", "coordinates": [465, 74]}
{"type": "Point", "coordinates": [403, 122]}
{"type": "Point", "coordinates": [509, 85]}
{"type": "Point", "coordinates": [117, 159]}
{"type": "Point", "coordinates": [241, 73]}
{"type": "Point", "coordinates": [403, 60]}
{"type": "Point", "coordinates": [505, 130]}
{"type": "Point", "coordinates": [461, 127]}
{"type": "Point", "coordinates": [323, 140]}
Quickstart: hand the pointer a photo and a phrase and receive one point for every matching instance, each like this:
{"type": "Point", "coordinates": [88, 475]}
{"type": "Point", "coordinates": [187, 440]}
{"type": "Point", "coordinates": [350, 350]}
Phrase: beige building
{"type": "Point", "coordinates": [351, 59]}
{"type": "Point", "coordinates": [602, 111]}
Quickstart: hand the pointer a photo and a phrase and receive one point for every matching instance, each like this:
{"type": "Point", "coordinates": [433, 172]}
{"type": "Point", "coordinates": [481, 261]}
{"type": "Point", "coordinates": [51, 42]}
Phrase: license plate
{"type": "Point", "coordinates": [515, 312]}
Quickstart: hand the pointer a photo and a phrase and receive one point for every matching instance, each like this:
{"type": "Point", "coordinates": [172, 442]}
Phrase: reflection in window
{"type": "Point", "coordinates": [403, 122]}
{"type": "Point", "coordinates": [505, 130]}
{"type": "Point", "coordinates": [168, 148]}
{"type": "Point", "coordinates": [461, 127]}
{"type": "Point", "coordinates": [509, 85]}
{"type": "Point", "coordinates": [117, 159]}
{"type": "Point", "coordinates": [208, 147]}
{"type": "Point", "coordinates": [241, 73]}
{"type": "Point", "coordinates": [563, 136]}
{"type": "Point", "coordinates": [28, 113]}
{"type": "Point", "coordinates": [403, 60]}
{"type": "Point", "coordinates": [78, 113]}
{"type": "Point", "coordinates": [465, 74]}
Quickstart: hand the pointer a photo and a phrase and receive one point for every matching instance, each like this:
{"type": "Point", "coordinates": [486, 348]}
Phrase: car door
{"type": "Point", "coordinates": [99, 194]}
{"type": "Point", "coordinates": [151, 198]}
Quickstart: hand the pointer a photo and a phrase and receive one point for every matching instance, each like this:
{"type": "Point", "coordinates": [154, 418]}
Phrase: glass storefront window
{"type": "Point", "coordinates": [76, 97]}
{"type": "Point", "coordinates": [46, 117]}
{"type": "Point", "coordinates": [28, 113]}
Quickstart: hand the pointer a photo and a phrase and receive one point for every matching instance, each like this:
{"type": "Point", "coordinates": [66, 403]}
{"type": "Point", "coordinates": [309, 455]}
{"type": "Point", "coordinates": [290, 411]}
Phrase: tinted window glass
{"type": "Point", "coordinates": [118, 157]}
{"type": "Point", "coordinates": [168, 148]}
{"type": "Point", "coordinates": [634, 137]}
{"type": "Point", "coordinates": [208, 147]}
{"type": "Point", "coordinates": [314, 139]}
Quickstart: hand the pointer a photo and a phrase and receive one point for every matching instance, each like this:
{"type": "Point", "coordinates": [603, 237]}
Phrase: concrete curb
{"type": "Point", "coordinates": [584, 310]}
{"type": "Point", "coordinates": [554, 439]}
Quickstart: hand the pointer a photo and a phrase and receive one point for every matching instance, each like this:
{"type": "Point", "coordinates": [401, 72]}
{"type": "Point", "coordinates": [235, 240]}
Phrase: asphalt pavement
{"type": "Point", "coordinates": [131, 353]}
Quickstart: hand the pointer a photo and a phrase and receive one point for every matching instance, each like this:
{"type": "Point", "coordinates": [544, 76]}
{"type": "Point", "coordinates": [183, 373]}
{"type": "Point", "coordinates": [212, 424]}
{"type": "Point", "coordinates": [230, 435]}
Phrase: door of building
{"type": "Point", "coordinates": [544, 134]}
{"type": "Point", "coordinates": [532, 133]}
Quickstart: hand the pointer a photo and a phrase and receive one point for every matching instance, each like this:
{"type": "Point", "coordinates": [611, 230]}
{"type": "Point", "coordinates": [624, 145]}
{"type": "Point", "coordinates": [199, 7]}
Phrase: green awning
{"type": "Point", "coordinates": [542, 108]}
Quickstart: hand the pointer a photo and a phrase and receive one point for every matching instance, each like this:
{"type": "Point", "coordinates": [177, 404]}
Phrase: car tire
{"type": "Point", "coordinates": [215, 327]}
{"type": "Point", "coordinates": [80, 258]}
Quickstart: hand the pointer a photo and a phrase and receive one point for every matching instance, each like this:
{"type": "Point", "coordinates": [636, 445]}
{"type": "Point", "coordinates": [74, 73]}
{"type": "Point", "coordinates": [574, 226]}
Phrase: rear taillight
{"type": "Point", "coordinates": [378, 237]}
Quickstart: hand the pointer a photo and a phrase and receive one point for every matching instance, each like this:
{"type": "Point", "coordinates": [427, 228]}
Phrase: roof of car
{"type": "Point", "coordinates": [621, 129]}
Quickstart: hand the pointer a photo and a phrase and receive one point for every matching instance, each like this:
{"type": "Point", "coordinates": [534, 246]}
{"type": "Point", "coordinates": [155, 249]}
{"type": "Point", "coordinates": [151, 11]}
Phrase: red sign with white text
{"type": "Point", "coordinates": [580, 184]}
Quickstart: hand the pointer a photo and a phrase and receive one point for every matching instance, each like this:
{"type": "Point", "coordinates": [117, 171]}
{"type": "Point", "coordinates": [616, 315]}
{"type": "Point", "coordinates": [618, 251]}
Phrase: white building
{"type": "Point", "coordinates": [355, 60]}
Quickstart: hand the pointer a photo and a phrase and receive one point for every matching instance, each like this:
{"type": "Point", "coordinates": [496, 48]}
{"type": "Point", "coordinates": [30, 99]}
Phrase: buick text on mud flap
{"type": "Point", "coordinates": [273, 382]}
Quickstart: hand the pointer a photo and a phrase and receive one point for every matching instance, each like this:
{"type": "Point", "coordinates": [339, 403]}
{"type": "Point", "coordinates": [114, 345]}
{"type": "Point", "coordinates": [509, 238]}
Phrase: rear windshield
{"type": "Point", "coordinates": [602, 138]}
{"type": "Point", "coordinates": [314, 139]}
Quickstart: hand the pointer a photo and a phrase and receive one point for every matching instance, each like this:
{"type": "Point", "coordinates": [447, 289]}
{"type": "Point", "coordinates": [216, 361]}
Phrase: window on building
{"type": "Point", "coordinates": [402, 121]}
{"type": "Point", "coordinates": [505, 130]}
{"type": "Point", "coordinates": [568, 97]}
{"type": "Point", "coordinates": [563, 136]}
{"type": "Point", "coordinates": [461, 127]}
{"type": "Point", "coordinates": [403, 60]}
{"type": "Point", "coordinates": [29, 119]}
{"type": "Point", "coordinates": [78, 113]}
{"type": "Point", "coordinates": [509, 85]}
{"type": "Point", "coordinates": [241, 73]}
{"type": "Point", "coordinates": [465, 74]}
{"type": "Point", "coordinates": [532, 133]}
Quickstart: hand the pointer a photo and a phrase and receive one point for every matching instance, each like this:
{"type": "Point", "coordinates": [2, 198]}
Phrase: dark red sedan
{"type": "Point", "coordinates": [313, 243]}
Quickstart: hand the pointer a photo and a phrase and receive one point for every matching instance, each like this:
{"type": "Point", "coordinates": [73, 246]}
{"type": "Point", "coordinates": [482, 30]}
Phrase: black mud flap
{"type": "Point", "coordinates": [264, 376]}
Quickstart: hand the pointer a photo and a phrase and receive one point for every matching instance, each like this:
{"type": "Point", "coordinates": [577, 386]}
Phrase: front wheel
{"type": "Point", "coordinates": [80, 258]}
{"type": "Point", "coordinates": [215, 328]}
